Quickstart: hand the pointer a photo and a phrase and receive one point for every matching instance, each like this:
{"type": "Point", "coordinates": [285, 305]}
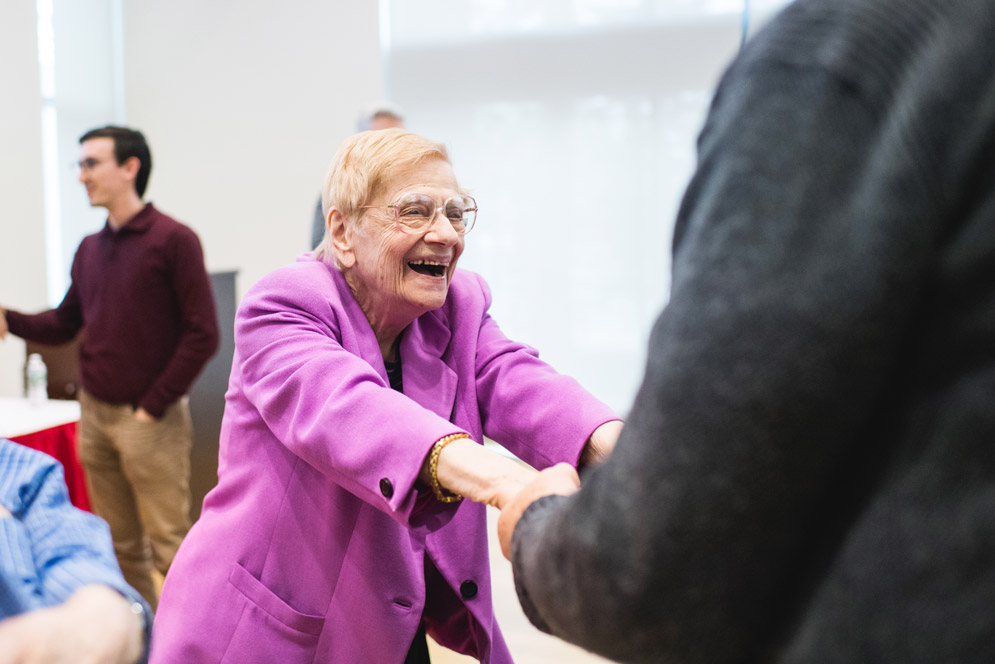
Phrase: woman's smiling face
{"type": "Point", "coordinates": [399, 275]}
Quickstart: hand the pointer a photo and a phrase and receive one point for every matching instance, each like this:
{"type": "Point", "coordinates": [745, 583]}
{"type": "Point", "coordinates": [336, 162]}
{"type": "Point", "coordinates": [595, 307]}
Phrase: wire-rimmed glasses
{"type": "Point", "coordinates": [413, 212]}
{"type": "Point", "coordinates": [87, 164]}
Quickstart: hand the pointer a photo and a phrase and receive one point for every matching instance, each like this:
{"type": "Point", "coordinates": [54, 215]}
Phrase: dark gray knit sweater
{"type": "Point", "coordinates": [808, 471]}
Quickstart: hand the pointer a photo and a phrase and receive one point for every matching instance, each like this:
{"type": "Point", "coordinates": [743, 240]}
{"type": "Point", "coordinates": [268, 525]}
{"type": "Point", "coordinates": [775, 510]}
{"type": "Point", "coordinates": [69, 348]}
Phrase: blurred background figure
{"type": "Point", "coordinates": [62, 597]}
{"type": "Point", "coordinates": [140, 287]}
{"type": "Point", "coordinates": [379, 116]}
{"type": "Point", "coordinates": [807, 473]}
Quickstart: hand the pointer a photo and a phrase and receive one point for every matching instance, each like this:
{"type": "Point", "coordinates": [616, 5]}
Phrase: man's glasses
{"type": "Point", "coordinates": [415, 212]}
{"type": "Point", "coordinates": [87, 164]}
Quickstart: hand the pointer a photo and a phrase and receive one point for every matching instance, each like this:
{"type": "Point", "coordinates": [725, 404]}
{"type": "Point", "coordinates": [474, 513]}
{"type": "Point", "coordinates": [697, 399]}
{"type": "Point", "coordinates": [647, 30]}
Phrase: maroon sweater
{"type": "Point", "coordinates": [145, 298]}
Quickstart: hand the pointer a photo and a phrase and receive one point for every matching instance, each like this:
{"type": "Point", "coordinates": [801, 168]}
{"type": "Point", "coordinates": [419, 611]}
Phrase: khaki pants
{"type": "Point", "coordinates": [138, 476]}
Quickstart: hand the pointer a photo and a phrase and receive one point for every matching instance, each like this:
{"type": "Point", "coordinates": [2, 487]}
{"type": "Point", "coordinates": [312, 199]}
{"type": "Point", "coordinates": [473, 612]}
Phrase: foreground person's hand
{"type": "Point", "coordinates": [94, 626]}
{"type": "Point", "coordinates": [560, 479]}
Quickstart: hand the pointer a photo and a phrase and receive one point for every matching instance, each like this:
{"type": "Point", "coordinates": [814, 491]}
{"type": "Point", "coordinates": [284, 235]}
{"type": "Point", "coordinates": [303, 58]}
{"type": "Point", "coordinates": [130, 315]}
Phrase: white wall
{"type": "Point", "coordinates": [576, 134]}
{"type": "Point", "coordinates": [22, 228]}
{"type": "Point", "coordinates": [243, 103]}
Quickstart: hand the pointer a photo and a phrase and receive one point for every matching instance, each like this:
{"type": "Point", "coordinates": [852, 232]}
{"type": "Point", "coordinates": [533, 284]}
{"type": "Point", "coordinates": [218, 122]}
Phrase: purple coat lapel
{"type": "Point", "coordinates": [427, 379]}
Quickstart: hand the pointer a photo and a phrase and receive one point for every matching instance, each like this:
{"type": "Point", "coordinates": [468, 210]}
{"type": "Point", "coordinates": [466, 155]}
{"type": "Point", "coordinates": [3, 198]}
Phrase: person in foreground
{"type": "Point", "coordinates": [62, 597]}
{"type": "Point", "coordinates": [807, 473]}
{"type": "Point", "coordinates": [365, 378]}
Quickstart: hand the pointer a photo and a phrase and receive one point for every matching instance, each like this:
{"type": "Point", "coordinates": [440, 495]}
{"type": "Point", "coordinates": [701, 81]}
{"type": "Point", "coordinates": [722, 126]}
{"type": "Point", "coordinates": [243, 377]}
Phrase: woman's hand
{"type": "Point", "coordinates": [601, 443]}
{"type": "Point", "coordinates": [479, 473]}
{"type": "Point", "coordinates": [561, 480]}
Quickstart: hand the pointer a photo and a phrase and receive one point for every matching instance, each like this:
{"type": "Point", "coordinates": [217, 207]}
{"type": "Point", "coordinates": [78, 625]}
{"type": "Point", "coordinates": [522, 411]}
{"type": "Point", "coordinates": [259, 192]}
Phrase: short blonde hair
{"type": "Point", "coordinates": [361, 168]}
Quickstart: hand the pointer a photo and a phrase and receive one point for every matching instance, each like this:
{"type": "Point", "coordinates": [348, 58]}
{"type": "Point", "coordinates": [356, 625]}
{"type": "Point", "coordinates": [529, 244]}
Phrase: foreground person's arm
{"type": "Point", "coordinates": [95, 625]}
{"type": "Point", "coordinates": [60, 585]}
{"type": "Point", "coordinates": [761, 371]}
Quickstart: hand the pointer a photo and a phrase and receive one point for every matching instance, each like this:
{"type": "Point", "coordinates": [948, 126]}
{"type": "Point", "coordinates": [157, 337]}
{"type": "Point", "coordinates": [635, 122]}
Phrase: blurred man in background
{"type": "Point", "coordinates": [140, 287]}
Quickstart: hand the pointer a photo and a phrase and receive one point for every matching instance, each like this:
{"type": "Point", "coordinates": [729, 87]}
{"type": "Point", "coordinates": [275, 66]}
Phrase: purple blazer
{"type": "Point", "coordinates": [313, 545]}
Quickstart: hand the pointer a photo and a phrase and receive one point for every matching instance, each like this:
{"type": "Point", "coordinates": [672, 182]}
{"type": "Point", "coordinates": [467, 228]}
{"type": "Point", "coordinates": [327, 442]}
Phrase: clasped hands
{"type": "Point", "coordinates": [561, 479]}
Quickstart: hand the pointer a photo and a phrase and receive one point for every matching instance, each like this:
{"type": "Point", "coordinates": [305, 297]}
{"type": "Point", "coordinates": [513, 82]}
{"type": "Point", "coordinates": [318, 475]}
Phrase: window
{"type": "Point", "coordinates": [573, 124]}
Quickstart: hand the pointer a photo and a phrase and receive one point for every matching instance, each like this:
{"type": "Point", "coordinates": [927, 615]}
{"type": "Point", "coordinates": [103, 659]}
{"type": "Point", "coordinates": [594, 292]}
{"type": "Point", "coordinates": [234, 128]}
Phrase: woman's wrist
{"type": "Point", "coordinates": [469, 469]}
{"type": "Point", "coordinates": [507, 486]}
{"type": "Point", "coordinates": [433, 468]}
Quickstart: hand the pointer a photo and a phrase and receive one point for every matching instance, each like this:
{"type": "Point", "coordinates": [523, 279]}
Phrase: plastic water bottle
{"type": "Point", "coordinates": [37, 380]}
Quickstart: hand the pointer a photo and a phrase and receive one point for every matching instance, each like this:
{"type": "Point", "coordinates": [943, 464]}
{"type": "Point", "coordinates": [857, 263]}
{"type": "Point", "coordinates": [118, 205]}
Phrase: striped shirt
{"type": "Point", "coordinates": [48, 548]}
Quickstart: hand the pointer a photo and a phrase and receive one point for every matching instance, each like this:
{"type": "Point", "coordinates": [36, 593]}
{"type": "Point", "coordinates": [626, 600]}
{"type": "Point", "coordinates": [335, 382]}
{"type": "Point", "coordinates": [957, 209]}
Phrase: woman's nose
{"type": "Point", "coordinates": [440, 229]}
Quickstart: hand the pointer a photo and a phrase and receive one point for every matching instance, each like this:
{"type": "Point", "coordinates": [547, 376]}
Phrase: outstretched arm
{"type": "Point", "coordinates": [558, 480]}
{"type": "Point", "coordinates": [478, 473]}
{"type": "Point", "coordinates": [482, 475]}
{"type": "Point", "coordinates": [780, 333]}
{"type": "Point", "coordinates": [54, 327]}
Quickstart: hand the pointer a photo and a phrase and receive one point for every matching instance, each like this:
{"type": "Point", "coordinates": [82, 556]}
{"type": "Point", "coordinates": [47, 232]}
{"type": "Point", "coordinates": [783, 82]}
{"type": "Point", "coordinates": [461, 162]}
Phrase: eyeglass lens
{"type": "Point", "coordinates": [415, 211]}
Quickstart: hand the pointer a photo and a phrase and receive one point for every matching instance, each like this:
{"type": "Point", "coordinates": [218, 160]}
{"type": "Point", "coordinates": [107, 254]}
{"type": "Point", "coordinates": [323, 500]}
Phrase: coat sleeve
{"type": "Point", "coordinates": [299, 363]}
{"type": "Point", "coordinates": [793, 281]}
{"type": "Point", "coordinates": [541, 416]}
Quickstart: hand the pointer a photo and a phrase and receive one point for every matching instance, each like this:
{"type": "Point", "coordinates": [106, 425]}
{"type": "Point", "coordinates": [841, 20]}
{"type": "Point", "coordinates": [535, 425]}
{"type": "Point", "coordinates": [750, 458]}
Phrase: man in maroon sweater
{"type": "Point", "coordinates": [140, 287]}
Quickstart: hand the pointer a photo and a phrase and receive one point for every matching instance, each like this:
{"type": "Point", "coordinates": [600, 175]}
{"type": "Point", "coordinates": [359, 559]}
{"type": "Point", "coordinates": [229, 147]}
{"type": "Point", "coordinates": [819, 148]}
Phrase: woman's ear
{"type": "Point", "coordinates": [340, 231]}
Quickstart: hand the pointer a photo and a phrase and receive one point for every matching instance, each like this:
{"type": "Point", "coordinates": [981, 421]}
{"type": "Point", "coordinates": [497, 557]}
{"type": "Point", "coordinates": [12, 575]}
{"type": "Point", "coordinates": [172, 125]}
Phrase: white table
{"type": "Point", "coordinates": [18, 417]}
{"type": "Point", "coordinates": [50, 427]}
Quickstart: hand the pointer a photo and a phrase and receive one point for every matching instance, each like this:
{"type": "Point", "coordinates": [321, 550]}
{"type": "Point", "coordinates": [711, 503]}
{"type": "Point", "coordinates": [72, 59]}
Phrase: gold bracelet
{"type": "Point", "coordinates": [433, 468]}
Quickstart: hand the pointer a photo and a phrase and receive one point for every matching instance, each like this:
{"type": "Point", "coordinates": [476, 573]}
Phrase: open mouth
{"type": "Point", "coordinates": [429, 268]}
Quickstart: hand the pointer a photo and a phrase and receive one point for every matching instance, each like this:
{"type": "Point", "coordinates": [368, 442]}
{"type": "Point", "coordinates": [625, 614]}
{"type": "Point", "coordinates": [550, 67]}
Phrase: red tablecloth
{"type": "Point", "coordinates": [60, 442]}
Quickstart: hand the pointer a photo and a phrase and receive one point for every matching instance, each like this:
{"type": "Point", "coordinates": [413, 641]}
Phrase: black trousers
{"type": "Point", "coordinates": [418, 654]}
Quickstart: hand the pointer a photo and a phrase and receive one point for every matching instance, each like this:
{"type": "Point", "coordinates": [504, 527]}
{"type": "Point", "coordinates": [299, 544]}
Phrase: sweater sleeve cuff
{"type": "Point", "coordinates": [153, 407]}
{"type": "Point", "coordinates": [14, 319]}
{"type": "Point", "coordinates": [523, 544]}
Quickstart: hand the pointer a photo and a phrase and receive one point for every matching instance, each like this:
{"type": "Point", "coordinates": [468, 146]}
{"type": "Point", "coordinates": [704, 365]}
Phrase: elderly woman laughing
{"type": "Point", "coordinates": [364, 380]}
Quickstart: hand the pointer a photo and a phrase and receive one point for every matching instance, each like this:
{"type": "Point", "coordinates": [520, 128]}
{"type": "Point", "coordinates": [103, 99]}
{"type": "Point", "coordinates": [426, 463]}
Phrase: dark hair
{"type": "Point", "coordinates": [127, 143]}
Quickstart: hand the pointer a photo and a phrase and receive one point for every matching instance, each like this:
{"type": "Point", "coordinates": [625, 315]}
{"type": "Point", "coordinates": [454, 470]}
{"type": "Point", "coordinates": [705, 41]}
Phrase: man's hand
{"type": "Point", "coordinates": [3, 323]}
{"type": "Point", "coordinates": [142, 415]}
{"type": "Point", "coordinates": [4, 512]}
{"type": "Point", "coordinates": [94, 626]}
{"type": "Point", "coordinates": [560, 479]}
